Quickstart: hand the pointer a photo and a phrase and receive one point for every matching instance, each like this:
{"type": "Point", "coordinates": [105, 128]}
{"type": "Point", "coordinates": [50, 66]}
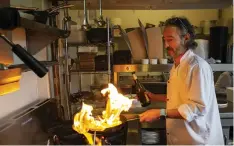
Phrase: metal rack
{"type": "Point", "coordinates": [108, 44]}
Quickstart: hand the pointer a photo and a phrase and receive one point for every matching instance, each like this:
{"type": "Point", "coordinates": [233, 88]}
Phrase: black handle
{"type": "Point", "coordinates": [37, 67]}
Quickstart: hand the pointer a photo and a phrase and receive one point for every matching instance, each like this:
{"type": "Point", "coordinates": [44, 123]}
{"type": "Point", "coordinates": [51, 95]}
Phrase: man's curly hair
{"type": "Point", "coordinates": [185, 27]}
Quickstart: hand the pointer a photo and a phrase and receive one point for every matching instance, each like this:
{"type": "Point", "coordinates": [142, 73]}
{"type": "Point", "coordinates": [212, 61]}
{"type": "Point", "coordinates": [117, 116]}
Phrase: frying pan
{"type": "Point", "coordinates": [117, 128]}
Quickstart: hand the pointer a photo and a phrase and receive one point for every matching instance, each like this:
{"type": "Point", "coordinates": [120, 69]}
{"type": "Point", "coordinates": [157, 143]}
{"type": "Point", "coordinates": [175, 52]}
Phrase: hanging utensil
{"type": "Point", "coordinates": [100, 22]}
{"type": "Point", "coordinates": [85, 25]}
{"type": "Point", "coordinates": [144, 34]}
{"type": "Point", "coordinates": [42, 16]}
{"type": "Point", "coordinates": [23, 8]}
{"type": "Point", "coordinates": [125, 36]}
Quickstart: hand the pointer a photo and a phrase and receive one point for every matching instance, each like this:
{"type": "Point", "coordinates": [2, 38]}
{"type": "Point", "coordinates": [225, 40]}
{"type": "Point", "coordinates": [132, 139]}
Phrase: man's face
{"type": "Point", "coordinates": [174, 43]}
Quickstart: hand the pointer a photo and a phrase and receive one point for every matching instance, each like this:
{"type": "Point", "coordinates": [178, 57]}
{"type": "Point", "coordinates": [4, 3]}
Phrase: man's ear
{"type": "Point", "coordinates": [187, 36]}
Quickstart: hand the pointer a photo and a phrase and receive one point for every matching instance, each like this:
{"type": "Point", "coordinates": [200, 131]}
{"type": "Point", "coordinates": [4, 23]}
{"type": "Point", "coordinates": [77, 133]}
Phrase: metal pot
{"type": "Point", "coordinates": [97, 35]}
{"type": "Point", "coordinates": [77, 37]}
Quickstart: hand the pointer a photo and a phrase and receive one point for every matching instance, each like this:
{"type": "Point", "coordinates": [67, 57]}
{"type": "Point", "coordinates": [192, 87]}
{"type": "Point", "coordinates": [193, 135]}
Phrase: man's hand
{"type": "Point", "coordinates": [150, 95]}
{"type": "Point", "coordinates": [150, 115]}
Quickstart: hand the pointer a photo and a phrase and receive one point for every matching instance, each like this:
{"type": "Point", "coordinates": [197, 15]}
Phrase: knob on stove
{"type": "Point", "coordinates": [56, 140]}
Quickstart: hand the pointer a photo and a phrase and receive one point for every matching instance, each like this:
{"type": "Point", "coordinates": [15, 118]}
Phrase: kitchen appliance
{"type": "Point", "coordinates": [218, 43]}
{"type": "Point", "coordinates": [97, 35]}
{"type": "Point", "coordinates": [229, 91]}
{"type": "Point", "coordinates": [222, 103]}
{"type": "Point", "coordinates": [122, 57]}
{"type": "Point", "coordinates": [230, 50]}
{"type": "Point", "coordinates": [101, 63]}
{"type": "Point", "coordinates": [202, 48]}
{"type": "Point", "coordinates": [152, 136]}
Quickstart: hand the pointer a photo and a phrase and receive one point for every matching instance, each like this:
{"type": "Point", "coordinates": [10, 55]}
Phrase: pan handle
{"type": "Point", "coordinates": [37, 67]}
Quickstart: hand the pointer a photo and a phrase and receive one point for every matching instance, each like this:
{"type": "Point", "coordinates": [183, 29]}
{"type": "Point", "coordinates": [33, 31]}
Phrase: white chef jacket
{"type": "Point", "coordinates": [190, 89]}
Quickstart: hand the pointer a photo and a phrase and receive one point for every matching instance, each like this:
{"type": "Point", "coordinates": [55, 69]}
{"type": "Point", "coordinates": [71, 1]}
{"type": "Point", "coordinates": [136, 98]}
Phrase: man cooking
{"type": "Point", "coordinates": [192, 114]}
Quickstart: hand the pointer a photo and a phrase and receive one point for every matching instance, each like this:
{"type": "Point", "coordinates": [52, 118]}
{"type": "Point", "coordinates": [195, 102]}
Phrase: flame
{"type": "Point", "coordinates": [116, 103]}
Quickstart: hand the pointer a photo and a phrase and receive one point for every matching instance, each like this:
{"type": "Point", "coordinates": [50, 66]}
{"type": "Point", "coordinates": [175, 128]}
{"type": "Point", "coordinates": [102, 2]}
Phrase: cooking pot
{"type": "Point", "coordinates": [77, 36]}
{"type": "Point", "coordinates": [97, 35]}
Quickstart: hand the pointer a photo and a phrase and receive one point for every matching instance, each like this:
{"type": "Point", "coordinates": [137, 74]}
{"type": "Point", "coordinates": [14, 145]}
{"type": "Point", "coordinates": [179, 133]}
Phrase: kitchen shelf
{"type": "Point", "coordinates": [25, 67]}
{"type": "Point", "coordinates": [162, 67]}
{"type": "Point", "coordinates": [89, 72]}
{"type": "Point", "coordinates": [222, 67]}
{"type": "Point", "coordinates": [142, 68]}
{"type": "Point", "coordinates": [38, 35]}
{"type": "Point", "coordinates": [87, 44]}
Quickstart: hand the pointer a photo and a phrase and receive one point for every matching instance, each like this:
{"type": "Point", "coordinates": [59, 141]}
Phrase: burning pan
{"type": "Point", "coordinates": [114, 129]}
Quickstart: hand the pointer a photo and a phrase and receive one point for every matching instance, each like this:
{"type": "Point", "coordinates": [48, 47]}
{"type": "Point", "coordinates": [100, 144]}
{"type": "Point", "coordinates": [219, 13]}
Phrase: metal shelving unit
{"type": "Point", "coordinates": [88, 72]}
{"type": "Point", "coordinates": [108, 45]}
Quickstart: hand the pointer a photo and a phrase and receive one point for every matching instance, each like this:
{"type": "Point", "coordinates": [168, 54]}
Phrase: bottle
{"type": "Point", "coordinates": [140, 91]}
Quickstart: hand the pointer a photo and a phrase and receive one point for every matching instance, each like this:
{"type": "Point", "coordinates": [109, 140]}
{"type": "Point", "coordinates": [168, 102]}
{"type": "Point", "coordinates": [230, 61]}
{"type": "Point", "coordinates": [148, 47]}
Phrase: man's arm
{"type": "Point", "coordinates": [174, 113]}
{"type": "Point", "coordinates": [157, 97]}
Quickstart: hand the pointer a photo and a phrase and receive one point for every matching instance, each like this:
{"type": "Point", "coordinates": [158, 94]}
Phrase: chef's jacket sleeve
{"type": "Point", "coordinates": [198, 90]}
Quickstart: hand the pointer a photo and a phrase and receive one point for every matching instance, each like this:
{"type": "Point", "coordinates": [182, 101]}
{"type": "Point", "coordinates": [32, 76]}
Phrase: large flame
{"type": "Point", "coordinates": [116, 103]}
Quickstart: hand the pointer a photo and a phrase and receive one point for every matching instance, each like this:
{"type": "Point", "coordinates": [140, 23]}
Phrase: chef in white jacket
{"type": "Point", "coordinates": [192, 114]}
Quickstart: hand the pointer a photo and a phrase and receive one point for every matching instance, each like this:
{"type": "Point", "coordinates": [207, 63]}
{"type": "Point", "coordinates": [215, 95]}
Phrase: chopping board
{"type": "Point", "coordinates": [155, 43]}
{"type": "Point", "coordinates": [137, 44]}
